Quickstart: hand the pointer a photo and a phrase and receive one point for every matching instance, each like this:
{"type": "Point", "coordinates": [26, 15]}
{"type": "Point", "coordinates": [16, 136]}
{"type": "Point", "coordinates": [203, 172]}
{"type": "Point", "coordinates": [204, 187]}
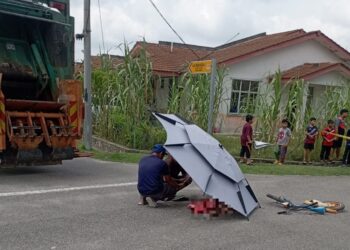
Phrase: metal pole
{"type": "Point", "coordinates": [87, 137]}
{"type": "Point", "coordinates": [212, 95]}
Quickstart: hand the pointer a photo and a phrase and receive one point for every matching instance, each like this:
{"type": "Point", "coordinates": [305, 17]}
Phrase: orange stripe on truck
{"type": "Point", "coordinates": [73, 114]}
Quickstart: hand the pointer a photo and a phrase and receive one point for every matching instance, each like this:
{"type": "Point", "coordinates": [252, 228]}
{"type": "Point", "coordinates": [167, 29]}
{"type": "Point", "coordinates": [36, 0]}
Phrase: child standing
{"type": "Point", "coordinates": [327, 143]}
{"type": "Point", "coordinates": [283, 138]}
{"type": "Point", "coordinates": [339, 127]}
{"type": "Point", "coordinates": [247, 140]}
{"type": "Point", "coordinates": [311, 133]}
{"type": "Point", "coordinates": [346, 157]}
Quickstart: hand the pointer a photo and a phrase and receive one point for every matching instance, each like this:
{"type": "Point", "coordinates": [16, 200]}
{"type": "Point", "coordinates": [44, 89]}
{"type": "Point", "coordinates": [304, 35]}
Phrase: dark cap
{"type": "Point", "coordinates": [158, 148]}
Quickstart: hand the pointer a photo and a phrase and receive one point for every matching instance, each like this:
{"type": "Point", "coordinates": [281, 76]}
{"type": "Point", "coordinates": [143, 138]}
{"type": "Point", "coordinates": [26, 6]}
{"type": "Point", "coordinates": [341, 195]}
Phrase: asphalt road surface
{"type": "Point", "coordinates": [89, 204]}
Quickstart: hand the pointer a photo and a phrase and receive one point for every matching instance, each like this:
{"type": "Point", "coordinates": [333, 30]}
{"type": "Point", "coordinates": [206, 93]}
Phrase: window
{"type": "Point", "coordinates": [162, 83]}
{"type": "Point", "coordinates": [243, 96]}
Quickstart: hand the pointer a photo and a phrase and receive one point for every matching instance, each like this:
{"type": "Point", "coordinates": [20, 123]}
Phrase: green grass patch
{"type": "Point", "coordinates": [295, 149]}
{"type": "Point", "coordinates": [257, 168]}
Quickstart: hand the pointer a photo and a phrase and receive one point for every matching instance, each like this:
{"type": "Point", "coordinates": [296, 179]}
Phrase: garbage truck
{"type": "Point", "coordinates": [41, 106]}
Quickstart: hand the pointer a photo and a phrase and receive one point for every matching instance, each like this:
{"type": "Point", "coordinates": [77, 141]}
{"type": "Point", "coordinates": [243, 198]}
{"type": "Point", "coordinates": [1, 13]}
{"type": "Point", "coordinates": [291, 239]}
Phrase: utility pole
{"type": "Point", "coordinates": [87, 136]}
{"type": "Point", "coordinates": [212, 95]}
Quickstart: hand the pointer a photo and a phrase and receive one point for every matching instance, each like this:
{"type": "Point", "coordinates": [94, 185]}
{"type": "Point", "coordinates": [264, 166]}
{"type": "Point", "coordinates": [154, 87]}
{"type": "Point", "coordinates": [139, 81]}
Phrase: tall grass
{"type": "Point", "coordinates": [269, 104]}
{"type": "Point", "coordinates": [189, 97]}
{"type": "Point", "coordinates": [289, 100]}
{"type": "Point", "coordinates": [123, 99]}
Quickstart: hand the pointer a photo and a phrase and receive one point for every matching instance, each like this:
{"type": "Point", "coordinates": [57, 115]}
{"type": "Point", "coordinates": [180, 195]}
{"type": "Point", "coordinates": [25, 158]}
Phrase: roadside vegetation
{"type": "Point", "coordinates": [123, 101]}
{"type": "Point", "coordinates": [281, 100]}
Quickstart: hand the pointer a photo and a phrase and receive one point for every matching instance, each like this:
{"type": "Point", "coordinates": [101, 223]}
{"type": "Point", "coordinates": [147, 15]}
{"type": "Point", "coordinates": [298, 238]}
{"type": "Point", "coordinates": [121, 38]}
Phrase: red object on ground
{"type": "Point", "coordinates": [209, 207]}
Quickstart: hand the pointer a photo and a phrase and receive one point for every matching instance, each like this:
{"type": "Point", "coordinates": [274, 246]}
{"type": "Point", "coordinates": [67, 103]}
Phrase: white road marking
{"type": "Point", "coordinates": [68, 189]}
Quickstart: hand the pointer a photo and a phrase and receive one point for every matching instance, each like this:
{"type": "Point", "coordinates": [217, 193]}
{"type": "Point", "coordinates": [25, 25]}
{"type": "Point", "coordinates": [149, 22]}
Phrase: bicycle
{"type": "Point", "coordinates": [311, 205]}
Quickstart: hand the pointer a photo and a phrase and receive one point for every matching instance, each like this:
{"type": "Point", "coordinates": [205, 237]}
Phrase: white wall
{"type": "Point", "coordinates": [260, 67]}
{"type": "Point", "coordinates": [162, 94]}
{"type": "Point", "coordinates": [319, 84]}
{"type": "Point", "coordinates": [331, 78]}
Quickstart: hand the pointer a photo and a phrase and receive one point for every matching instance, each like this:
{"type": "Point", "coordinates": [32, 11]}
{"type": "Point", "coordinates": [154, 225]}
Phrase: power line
{"type": "Point", "coordinates": [103, 39]}
{"type": "Point", "coordinates": [182, 40]}
{"type": "Point", "coordinates": [177, 34]}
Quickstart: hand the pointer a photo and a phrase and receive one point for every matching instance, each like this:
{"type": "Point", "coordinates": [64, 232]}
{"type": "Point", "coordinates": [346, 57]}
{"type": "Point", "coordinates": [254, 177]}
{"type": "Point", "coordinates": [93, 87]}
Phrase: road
{"type": "Point", "coordinates": [90, 204]}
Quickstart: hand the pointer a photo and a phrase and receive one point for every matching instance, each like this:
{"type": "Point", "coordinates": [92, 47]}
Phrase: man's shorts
{"type": "Point", "coordinates": [338, 143]}
{"type": "Point", "coordinates": [168, 193]}
{"type": "Point", "coordinates": [309, 146]}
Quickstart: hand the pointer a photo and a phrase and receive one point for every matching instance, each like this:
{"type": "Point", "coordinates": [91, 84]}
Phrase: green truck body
{"type": "Point", "coordinates": [36, 57]}
{"type": "Point", "coordinates": [36, 46]}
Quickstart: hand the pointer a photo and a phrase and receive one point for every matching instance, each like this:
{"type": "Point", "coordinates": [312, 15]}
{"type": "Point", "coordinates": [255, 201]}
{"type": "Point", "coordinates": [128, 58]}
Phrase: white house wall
{"type": "Point", "coordinates": [332, 78]}
{"type": "Point", "coordinates": [162, 94]}
{"type": "Point", "coordinates": [319, 85]}
{"type": "Point", "coordinates": [260, 67]}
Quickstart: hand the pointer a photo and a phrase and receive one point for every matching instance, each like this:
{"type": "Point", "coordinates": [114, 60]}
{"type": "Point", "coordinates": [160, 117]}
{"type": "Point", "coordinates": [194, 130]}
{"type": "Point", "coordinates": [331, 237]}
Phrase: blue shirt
{"type": "Point", "coordinates": [311, 130]}
{"type": "Point", "coordinates": [151, 172]}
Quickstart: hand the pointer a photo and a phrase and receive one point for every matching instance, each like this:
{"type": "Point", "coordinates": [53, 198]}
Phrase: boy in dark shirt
{"type": "Point", "coordinates": [327, 143]}
{"type": "Point", "coordinates": [311, 133]}
{"type": "Point", "coordinates": [247, 140]}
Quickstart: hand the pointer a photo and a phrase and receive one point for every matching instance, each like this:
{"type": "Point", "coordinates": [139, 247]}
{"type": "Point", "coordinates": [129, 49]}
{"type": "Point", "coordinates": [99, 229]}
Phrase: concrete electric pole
{"type": "Point", "coordinates": [87, 137]}
{"type": "Point", "coordinates": [212, 96]}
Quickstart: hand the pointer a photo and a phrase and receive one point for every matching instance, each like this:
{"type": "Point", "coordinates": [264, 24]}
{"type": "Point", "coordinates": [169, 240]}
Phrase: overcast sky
{"type": "Point", "coordinates": [208, 22]}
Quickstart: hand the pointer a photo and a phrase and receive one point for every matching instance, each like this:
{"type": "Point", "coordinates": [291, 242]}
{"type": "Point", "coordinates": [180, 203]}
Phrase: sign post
{"type": "Point", "coordinates": [211, 95]}
{"type": "Point", "coordinates": [206, 67]}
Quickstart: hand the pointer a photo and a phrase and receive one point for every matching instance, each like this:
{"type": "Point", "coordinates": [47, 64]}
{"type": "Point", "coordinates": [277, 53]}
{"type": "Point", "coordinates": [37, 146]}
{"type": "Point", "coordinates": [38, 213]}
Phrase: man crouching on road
{"type": "Point", "coordinates": [154, 181]}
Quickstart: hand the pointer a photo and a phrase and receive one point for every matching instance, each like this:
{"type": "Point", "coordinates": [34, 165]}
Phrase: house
{"type": "Point", "coordinates": [97, 62]}
{"type": "Point", "coordinates": [250, 62]}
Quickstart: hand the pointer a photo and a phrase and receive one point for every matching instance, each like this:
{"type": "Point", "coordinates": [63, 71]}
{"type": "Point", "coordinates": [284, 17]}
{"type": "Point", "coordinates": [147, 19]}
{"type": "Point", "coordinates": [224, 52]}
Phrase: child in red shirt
{"type": "Point", "coordinates": [327, 142]}
{"type": "Point", "coordinates": [247, 140]}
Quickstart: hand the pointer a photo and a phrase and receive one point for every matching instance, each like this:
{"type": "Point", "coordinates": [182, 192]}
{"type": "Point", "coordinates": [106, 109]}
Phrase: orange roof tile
{"type": "Point", "coordinates": [308, 71]}
{"type": "Point", "coordinates": [96, 62]}
{"type": "Point", "coordinates": [171, 58]}
{"type": "Point", "coordinates": [259, 43]}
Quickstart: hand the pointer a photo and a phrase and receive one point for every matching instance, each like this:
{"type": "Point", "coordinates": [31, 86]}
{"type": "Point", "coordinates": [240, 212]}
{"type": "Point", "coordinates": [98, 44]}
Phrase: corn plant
{"type": "Point", "coordinates": [190, 97]}
{"type": "Point", "coordinates": [175, 94]}
{"type": "Point", "coordinates": [122, 100]}
{"type": "Point", "coordinates": [332, 100]}
{"type": "Point", "coordinates": [269, 102]}
{"type": "Point", "coordinates": [271, 108]}
{"type": "Point", "coordinates": [103, 101]}
{"type": "Point", "coordinates": [294, 109]}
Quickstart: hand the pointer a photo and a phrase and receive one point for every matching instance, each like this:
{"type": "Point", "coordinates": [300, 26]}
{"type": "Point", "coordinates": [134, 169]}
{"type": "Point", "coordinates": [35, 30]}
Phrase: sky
{"type": "Point", "coordinates": [207, 22]}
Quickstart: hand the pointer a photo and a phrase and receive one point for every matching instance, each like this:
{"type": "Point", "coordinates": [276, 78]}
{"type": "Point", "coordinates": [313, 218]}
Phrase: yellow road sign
{"type": "Point", "coordinates": [200, 67]}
